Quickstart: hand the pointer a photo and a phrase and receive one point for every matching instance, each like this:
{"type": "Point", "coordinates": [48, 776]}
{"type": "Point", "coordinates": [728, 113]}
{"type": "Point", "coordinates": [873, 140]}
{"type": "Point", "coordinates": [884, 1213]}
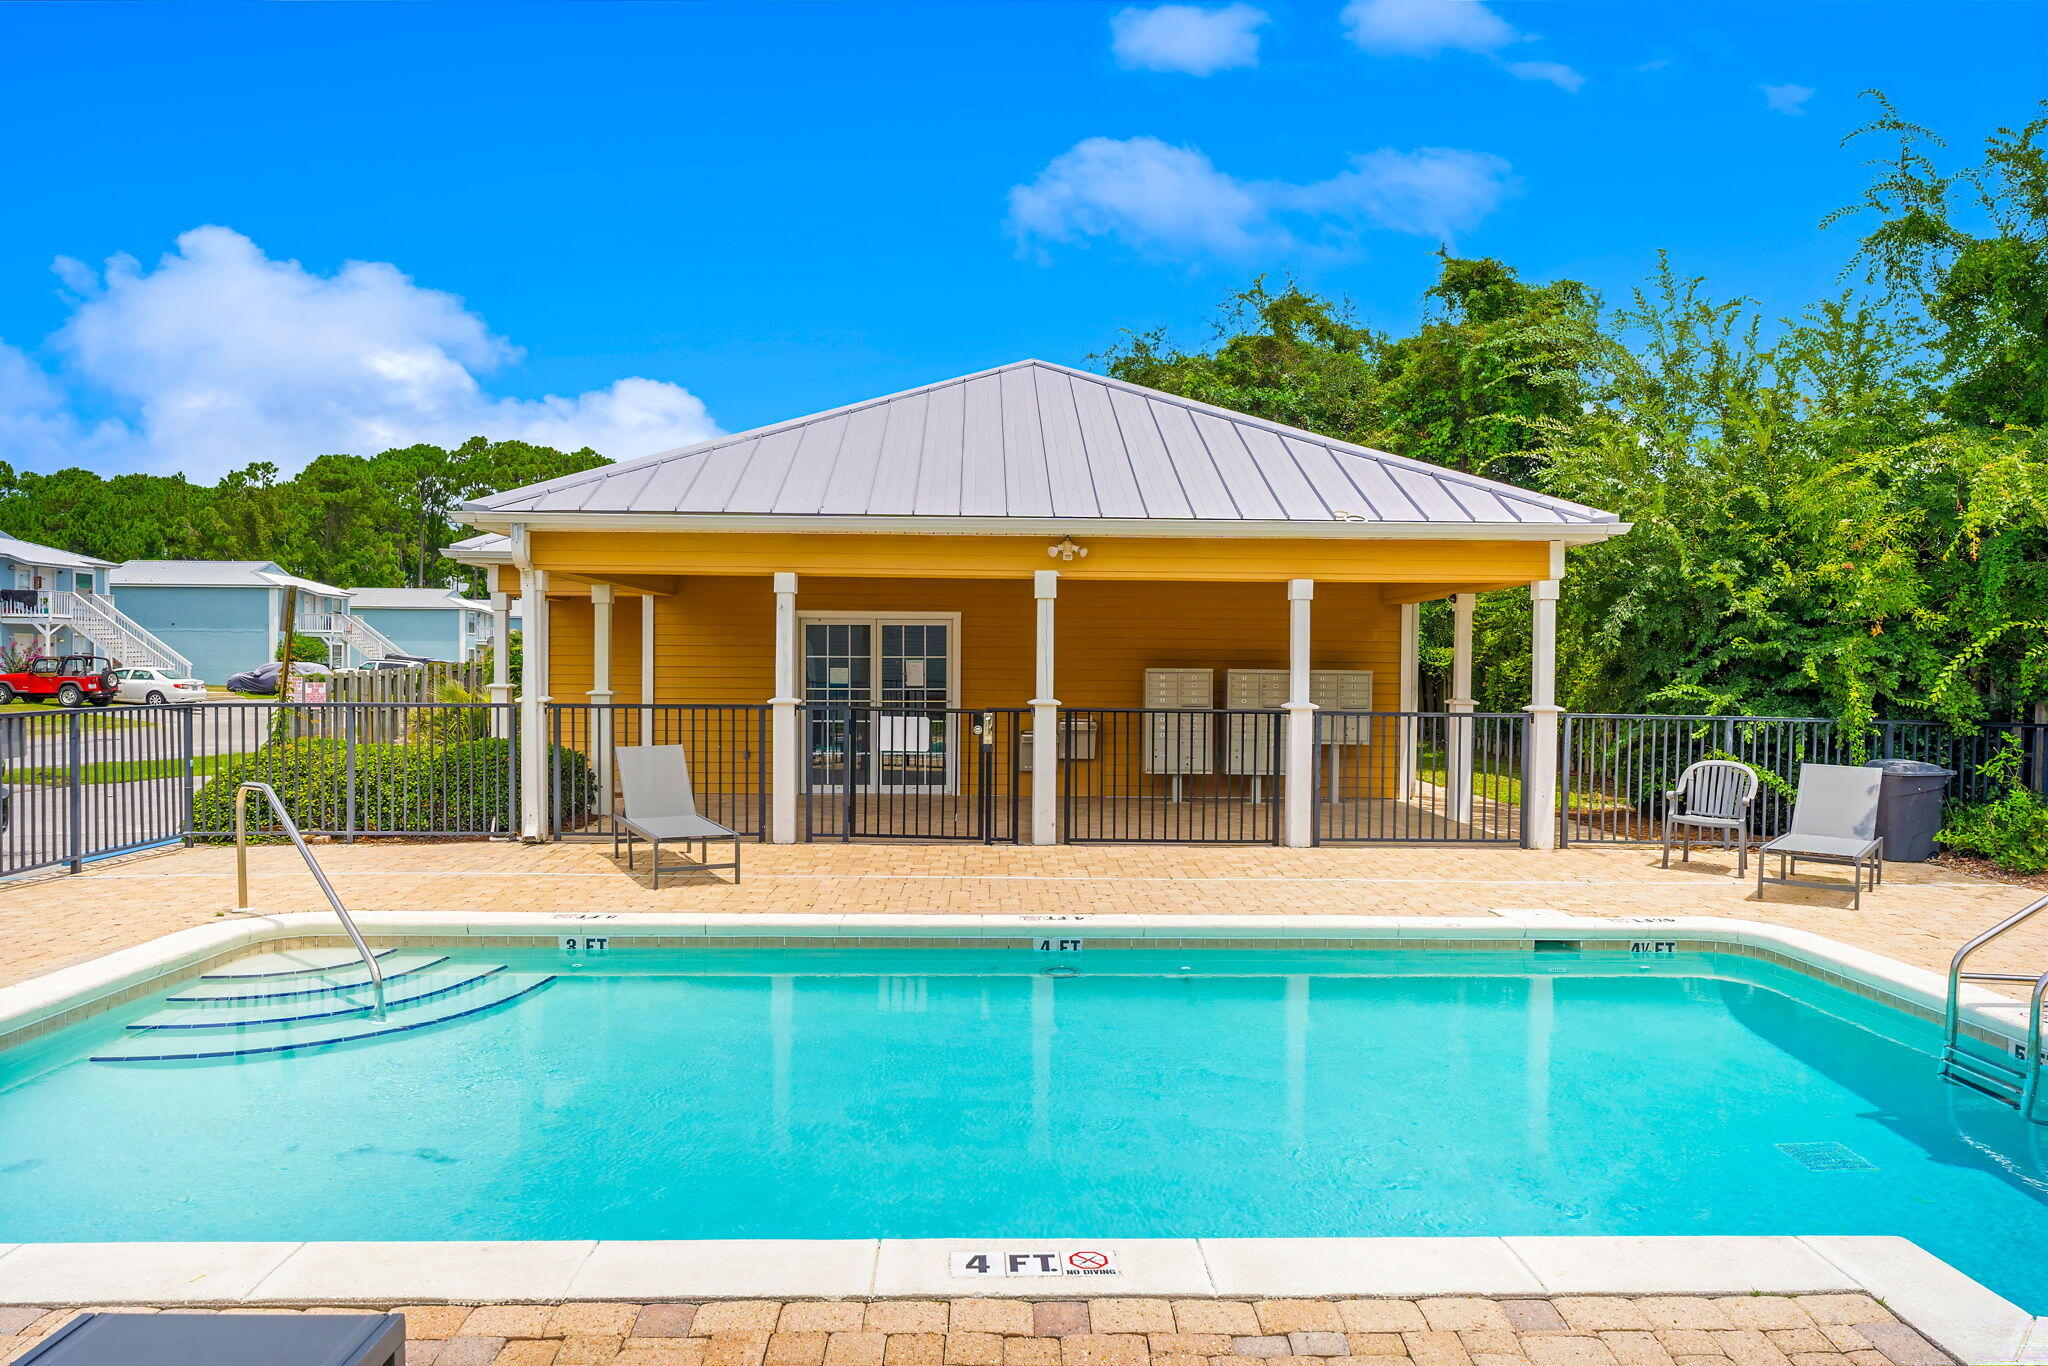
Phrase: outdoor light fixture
{"type": "Point", "coordinates": [1067, 550]}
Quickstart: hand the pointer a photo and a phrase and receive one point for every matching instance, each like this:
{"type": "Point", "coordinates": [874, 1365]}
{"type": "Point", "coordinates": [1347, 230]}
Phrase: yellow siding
{"type": "Point", "coordinates": [714, 639]}
{"type": "Point", "coordinates": [1015, 557]}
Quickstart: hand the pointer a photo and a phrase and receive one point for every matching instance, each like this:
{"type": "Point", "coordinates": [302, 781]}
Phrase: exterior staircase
{"type": "Point", "coordinates": [121, 639]}
{"type": "Point", "coordinates": [358, 635]}
{"type": "Point", "coordinates": [282, 1002]}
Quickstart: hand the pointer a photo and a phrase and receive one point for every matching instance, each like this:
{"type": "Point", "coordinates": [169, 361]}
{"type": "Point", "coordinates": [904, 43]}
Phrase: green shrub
{"type": "Point", "coordinates": [305, 649]}
{"type": "Point", "coordinates": [2012, 828]}
{"type": "Point", "coordinates": [466, 786]}
{"type": "Point", "coordinates": [448, 725]}
{"type": "Point", "coordinates": [2011, 831]}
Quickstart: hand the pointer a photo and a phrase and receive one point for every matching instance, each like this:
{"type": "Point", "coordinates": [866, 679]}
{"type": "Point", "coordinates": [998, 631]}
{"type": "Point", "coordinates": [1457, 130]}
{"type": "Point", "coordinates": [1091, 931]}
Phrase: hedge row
{"type": "Point", "coordinates": [466, 787]}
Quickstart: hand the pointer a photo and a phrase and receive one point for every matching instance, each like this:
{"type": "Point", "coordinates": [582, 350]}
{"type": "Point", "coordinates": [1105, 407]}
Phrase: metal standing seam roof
{"type": "Point", "coordinates": [214, 574]}
{"type": "Point", "coordinates": [47, 556]}
{"type": "Point", "coordinates": [1037, 440]}
{"type": "Point", "coordinates": [433, 599]}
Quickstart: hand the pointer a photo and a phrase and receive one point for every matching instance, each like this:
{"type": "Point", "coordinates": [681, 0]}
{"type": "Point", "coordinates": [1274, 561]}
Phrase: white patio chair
{"type": "Point", "coordinates": [1834, 820]}
{"type": "Point", "coordinates": [1713, 796]}
{"type": "Point", "coordinates": [660, 804]}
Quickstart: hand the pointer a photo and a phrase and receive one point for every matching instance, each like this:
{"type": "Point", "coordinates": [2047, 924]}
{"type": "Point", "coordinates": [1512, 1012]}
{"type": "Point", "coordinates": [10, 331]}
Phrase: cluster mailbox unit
{"type": "Point", "coordinates": [1180, 742]}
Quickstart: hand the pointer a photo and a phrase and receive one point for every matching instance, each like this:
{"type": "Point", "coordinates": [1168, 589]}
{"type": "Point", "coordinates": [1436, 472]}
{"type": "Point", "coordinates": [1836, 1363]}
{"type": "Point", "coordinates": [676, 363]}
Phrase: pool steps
{"type": "Point", "coordinates": [331, 983]}
{"type": "Point", "coordinates": [231, 1029]}
{"type": "Point", "coordinates": [290, 963]}
{"type": "Point", "coordinates": [423, 987]}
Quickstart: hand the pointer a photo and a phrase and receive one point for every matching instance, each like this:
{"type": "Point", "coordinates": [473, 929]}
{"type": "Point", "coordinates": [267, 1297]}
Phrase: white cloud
{"type": "Point", "coordinates": [1430, 192]}
{"type": "Point", "coordinates": [1194, 39]}
{"type": "Point", "coordinates": [1148, 193]}
{"type": "Point", "coordinates": [1557, 73]}
{"type": "Point", "coordinates": [1173, 201]}
{"type": "Point", "coordinates": [1429, 28]}
{"type": "Point", "coordinates": [1787, 99]}
{"type": "Point", "coordinates": [219, 355]}
{"type": "Point", "coordinates": [1424, 28]}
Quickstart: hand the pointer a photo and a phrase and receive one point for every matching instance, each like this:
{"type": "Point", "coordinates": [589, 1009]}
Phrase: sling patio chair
{"type": "Point", "coordinates": [1834, 820]}
{"type": "Point", "coordinates": [1712, 798]}
{"type": "Point", "coordinates": [661, 805]}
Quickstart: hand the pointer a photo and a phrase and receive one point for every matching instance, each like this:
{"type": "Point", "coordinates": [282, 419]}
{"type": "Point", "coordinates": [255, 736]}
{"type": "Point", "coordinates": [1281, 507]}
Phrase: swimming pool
{"type": "Point", "coordinates": [920, 1092]}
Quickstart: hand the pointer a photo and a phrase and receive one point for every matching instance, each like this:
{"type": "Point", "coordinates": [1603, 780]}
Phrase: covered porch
{"type": "Point", "coordinates": [817, 705]}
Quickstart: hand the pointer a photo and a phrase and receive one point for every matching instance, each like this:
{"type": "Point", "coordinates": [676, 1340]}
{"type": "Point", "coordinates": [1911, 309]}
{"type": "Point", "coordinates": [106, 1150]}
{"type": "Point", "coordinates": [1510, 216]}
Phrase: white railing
{"type": "Point", "coordinates": [365, 639]}
{"type": "Point", "coordinates": [121, 636]}
{"type": "Point", "coordinates": [41, 604]}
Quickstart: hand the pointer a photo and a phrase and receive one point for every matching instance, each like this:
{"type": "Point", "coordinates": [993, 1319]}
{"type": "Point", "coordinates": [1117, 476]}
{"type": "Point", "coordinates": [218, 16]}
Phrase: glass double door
{"type": "Point", "coordinates": [880, 690]}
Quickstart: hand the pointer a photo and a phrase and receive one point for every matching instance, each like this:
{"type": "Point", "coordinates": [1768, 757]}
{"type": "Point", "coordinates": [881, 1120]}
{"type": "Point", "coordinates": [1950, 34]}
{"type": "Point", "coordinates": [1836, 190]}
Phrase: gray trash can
{"type": "Point", "coordinates": [1909, 807]}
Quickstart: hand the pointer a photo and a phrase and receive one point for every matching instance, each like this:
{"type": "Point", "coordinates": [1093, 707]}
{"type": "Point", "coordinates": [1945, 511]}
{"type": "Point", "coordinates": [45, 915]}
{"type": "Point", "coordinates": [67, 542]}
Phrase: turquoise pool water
{"type": "Point", "coordinates": [936, 1092]}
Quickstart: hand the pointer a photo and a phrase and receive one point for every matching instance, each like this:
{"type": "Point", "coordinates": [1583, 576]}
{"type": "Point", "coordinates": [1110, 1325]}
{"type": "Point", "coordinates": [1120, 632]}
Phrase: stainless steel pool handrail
{"type": "Point", "coordinates": [291, 828]}
{"type": "Point", "coordinates": [2024, 1081]}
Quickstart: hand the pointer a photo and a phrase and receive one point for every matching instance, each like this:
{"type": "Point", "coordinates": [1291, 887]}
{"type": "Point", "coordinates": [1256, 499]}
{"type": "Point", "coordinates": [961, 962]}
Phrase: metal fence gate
{"type": "Point", "coordinates": [910, 772]}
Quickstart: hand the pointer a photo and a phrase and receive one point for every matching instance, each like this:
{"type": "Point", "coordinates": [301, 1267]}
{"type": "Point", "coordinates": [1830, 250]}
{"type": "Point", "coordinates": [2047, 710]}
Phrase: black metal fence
{"type": "Point", "coordinates": [1170, 776]}
{"type": "Point", "coordinates": [1614, 770]}
{"type": "Point", "coordinates": [912, 773]}
{"type": "Point", "coordinates": [1420, 777]}
{"type": "Point", "coordinates": [91, 782]}
{"type": "Point", "coordinates": [725, 750]}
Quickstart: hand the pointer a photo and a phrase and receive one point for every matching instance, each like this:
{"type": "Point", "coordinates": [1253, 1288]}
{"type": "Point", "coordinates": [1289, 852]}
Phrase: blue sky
{"type": "Point", "coordinates": [761, 210]}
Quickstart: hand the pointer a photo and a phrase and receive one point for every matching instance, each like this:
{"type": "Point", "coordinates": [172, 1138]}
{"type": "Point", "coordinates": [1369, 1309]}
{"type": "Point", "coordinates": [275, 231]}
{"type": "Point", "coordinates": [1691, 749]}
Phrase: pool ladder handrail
{"type": "Point", "coordinates": [291, 828]}
{"type": "Point", "coordinates": [2017, 1086]}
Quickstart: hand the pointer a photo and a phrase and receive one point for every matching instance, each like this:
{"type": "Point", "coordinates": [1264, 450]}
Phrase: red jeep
{"type": "Point", "coordinates": [70, 680]}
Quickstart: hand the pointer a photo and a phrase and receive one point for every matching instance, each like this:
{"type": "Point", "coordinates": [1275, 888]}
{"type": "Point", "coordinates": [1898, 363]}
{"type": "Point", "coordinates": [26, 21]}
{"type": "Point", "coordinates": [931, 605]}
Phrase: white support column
{"type": "Point", "coordinates": [1409, 697]}
{"type": "Point", "coordinates": [782, 780]}
{"type": "Point", "coordinates": [1045, 717]}
{"type": "Point", "coordinates": [1539, 772]}
{"type": "Point", "coordinates": [1458, 744]}
{"type": "Point", "coordinates": [602, 596]}
{"type": "Point", "coordinates": [647, 661]}
{"type": "Point", "coordinates": [533, 704]}
{"type": "Point", "coordinates": [1299, 789]}
{"type": "Point", "coordinates": [500, 686]}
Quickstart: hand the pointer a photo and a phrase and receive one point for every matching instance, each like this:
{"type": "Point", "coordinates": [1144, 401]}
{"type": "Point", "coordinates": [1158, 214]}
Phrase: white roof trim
{"type": "Point", "coordinates": [1570, 533]}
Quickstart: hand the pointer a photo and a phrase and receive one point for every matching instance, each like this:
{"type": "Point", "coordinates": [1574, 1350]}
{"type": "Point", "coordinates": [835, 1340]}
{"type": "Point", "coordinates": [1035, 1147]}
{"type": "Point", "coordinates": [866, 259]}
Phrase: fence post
{"type": "Point", "coordinates": [348, 729]}
{"type": "Point", "coordinates": [75, 747]}
{"type": "Point", "coordinates": [188, 722]}
{"type": "Point", "coordinates": [1564, 785]}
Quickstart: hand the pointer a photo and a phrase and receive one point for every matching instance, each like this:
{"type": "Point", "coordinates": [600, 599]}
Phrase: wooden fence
{"type": "Point", "coordinates": [422, 684]}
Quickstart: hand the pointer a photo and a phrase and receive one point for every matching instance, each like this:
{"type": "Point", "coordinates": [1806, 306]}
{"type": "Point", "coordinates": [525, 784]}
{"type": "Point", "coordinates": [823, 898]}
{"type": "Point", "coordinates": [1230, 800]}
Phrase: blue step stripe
{"type": "Point", "coordinates": [390, 1003]}
{"type": "Point", "coordinates": [361, 981]}
{"type": "Point", "coordinates": [322, 1043]}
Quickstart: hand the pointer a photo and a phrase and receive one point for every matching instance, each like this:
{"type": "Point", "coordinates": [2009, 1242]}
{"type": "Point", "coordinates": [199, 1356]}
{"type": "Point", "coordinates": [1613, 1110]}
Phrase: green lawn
{"type": "Point", "coordinates": [122, 771]}
{"type": "Point", "coordinates": [98, 718]}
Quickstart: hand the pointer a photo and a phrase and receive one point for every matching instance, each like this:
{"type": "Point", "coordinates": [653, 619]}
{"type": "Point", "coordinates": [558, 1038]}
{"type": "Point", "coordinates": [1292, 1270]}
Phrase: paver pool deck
{"type": "Point", "coordinates": [1749, 1330]}
{"type": "Point", "coordinates": [1921, 915]}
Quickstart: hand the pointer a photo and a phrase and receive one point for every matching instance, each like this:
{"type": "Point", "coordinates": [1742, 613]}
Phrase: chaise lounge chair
{"type": "Point", "coordinates": [1834, 820]}
{"type": "Point", "coordinates": [1712, 798]}
{"type": "Point", "coordinates": [661, 805]}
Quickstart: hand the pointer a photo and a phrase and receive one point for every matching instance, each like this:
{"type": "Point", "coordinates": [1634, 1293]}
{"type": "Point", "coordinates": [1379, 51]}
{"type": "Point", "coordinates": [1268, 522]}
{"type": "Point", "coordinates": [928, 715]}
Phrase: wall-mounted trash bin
{"type": "Point", "coordinates": [1909, 798]}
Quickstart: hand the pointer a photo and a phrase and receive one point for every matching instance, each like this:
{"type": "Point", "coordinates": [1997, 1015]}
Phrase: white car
{"type": "Point", "coordinates": [156, 685]}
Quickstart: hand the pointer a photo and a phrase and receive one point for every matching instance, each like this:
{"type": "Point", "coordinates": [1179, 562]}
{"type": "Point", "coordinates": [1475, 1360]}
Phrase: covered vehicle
{"type": "Point", "coordinates": [262, 680]}
{"type": "Point", "coordinates": [156, 685]}
{"type": "Point", "coordinates": [68, 680]}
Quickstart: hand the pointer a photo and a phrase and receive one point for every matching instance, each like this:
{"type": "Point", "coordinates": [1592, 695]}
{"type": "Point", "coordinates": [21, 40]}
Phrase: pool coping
{"type": "Point", "coordinates": [1962, 1317]}
{"type": "Point", "coordinates": [1952, 1310]}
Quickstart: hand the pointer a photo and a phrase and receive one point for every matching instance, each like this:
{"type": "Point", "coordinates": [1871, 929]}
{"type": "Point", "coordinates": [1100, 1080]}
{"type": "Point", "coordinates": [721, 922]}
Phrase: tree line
{"type": "Point", "coordinates": [1844, 513]}
{"type": "Point", "coordinates": [378, 521]}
